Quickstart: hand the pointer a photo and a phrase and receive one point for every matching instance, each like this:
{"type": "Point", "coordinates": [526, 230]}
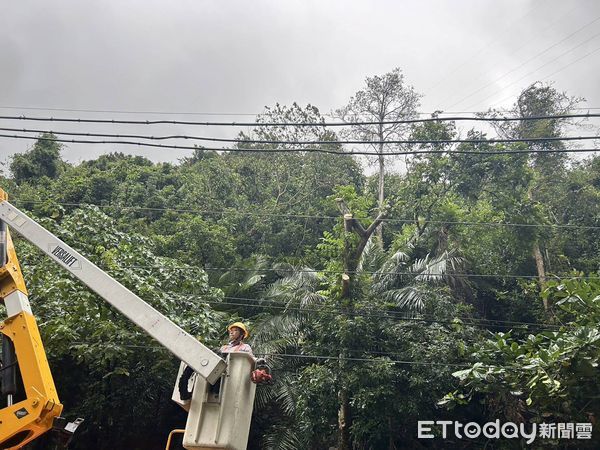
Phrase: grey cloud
{"type": "Point", "coordinates": [239, 56]}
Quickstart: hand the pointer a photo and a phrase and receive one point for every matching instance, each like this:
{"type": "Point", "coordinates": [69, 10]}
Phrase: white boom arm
{"type": "Point", "coordinates": [187, 348]}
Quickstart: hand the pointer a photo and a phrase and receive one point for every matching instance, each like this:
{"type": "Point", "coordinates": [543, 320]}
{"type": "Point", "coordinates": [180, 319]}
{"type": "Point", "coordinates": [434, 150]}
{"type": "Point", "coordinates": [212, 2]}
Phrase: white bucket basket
{"type": "Point", "coordinates": [220, 418]}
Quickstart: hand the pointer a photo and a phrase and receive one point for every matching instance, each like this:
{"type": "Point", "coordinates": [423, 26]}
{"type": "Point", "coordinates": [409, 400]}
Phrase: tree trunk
{"type": "Point", "coordinates": [381, 198]}
{"type": "Point", "coordinates": [539, 264]}
{"type": "Point", "coordinates": [442, 244]}
{"type": "Point", "coordinates": [343, 395]}
{"type": "Point", "coordinates": [344, 421]}
{"type": "Point", "coordinates": [351, 258]}
{"type": "Point", "coordinates": [391, 443]}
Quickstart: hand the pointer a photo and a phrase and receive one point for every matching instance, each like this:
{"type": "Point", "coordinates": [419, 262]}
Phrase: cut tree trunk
{"type": "Point", "coordinates": [380, 197]}
{"type": "Point", "coordinates": [539, 264]}
{"type": "Point", "coordinates": [344, 421]}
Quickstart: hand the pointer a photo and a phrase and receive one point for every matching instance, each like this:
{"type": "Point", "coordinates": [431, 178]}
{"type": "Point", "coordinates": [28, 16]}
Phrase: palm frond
{"type": "Point", "coordinates": [282, 437]}
{"type": "Point", "coordinates": [286, 398]}
{"type": "Point", "coordinates": [372, 258]}
{"type": "Point", "coordinates": [391, 272]}
{"type": "Point", "coordinates": [276, 333]}
{"type": "Point", "coordinates": [241, 282]}
{"type": "Point", "coordinates": [411, 298]}
{"type": "Point", "coordinates": [297, 288]}
{"type": "Point", "coordinates": [311, 298]}
{"type": "Point", "coordinates": [436, 269]}
{"type": "Point", "coordinates": [280, 391]}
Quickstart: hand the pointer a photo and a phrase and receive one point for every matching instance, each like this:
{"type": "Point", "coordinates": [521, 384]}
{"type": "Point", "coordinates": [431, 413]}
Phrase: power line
{"type": "Point", "coordinates": [375, 359]}
{"type": "Point", "coordinates": [370, 360]}
{"type": "Point", "coordinates": [335, 152]}
{"type": "Point", "coordinates": [308, 216]}
{"type": "Point", "coordinates": [571, 63]}
{"type": "Point", "coordinates": [559, 70]}
{"type": "Point", "coordinates": [192, 113]}
{"type": "Point", "coordinates": [388, 315]}
{"type": "Point", "coordinates": [312, 142]}
{"type": "Point", "coordinates": [116, 111]}
{"type": "Point", "coordinates": [396, 315]}
{"type": "Point", "coordinates": [322, 357]}
{"type": "Point", "coordinates": [367, 272]}
{"type": "Point", "coordinates": [524, 63]}
{"type": "Point", "coordinates": [482, 48]}
{"type": "Point", "coordinates": [467, 321]}
{"type": "Point", "coordinates": [374, 353]}
{"type": "Point", "coordinates": [362, 312]}
{"type": "Point", "coordinates": [299, 124]}
{"type": "Point", "coordinates": [466, 365]}
{"type": "Point", "coordinates": [540, 67]}
{"type": "Point", "coordinates": [527, 43]}
{"type": "Point", "coordinates": [284, 355]}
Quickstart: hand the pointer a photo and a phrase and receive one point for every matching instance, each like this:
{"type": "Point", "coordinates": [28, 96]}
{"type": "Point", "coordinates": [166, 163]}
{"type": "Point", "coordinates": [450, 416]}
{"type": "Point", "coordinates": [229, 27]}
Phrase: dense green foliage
{"type": "Point", "coordinates": [544, 377]}
{"type": "Point", "coordinates": [452, 315]}
{"type": "Point", "coordinates": [101, 364]}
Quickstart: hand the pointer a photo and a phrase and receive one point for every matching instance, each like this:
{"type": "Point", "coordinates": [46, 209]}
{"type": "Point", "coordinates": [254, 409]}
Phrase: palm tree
{"type": "Point", "coordinates": [298, 300]}
{"type": "Point", "coordinates": [279, 334]}
{"type": "Point", "coordinates": [407, 282]}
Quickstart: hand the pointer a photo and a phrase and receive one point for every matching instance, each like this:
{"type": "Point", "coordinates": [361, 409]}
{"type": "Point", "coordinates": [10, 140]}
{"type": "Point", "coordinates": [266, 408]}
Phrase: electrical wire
{"type": "Point", "coordinates": [379, 315]}
{"type": "Point", "coordinates": [571, 63]}
{"type": "Point", "coordinates": [267, 303]}
{"type": "Point", "coordinates": [525, 43]}
{"type": "Point", "coordinates": [305, 216]}
{"type": "Point", "coordinates": [313, 142]}
{"type": "Point", "coordinates": [191, 113]}
{"type": "Point", "coordinates": [524, 63]}
{"type": "Point", "coordinates": [557, 71]}
{"type": "Point", "coordinates": [482, 48]}
{"type": "Point", "coordinates": [302, 124]}
{"type": "Point", "coordinates": [374, 353]}
{"type": "Point", "coordinates": [335, 152]}
{"type": "Point", "coordinates": [375, 359]}
{"type": "Point", "coordinates": [366, 272]}
{"type": "Point", "coordinates": [464, 320]}
{"type": "Point", "coordinates": [116, 111]}
{"type": "Point", "coordinates": [465, 365]}
{"type": "Point", "coordinates": [370, 360]}
{"type": "Point", "coordinates": [538, 68]}
{"type": "Point", "coordinates": [395, 315]}
{"type": "Point", "coordinates": [320, 357]}
{"type": "Point", "coordinates": [467, 321]}
{"type": "Point", "coordinates": [362, 312]}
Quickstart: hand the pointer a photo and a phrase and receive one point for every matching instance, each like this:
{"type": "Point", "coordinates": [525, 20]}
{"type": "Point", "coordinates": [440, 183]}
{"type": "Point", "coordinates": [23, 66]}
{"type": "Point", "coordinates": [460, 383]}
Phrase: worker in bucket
{"type": "Point", "coordinates": [237, 333]}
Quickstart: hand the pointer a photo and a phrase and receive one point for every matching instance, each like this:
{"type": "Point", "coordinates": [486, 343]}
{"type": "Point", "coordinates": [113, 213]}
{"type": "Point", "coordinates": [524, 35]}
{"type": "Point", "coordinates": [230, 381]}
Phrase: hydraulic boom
{"type": "Point", "coordinates": [23, 421]}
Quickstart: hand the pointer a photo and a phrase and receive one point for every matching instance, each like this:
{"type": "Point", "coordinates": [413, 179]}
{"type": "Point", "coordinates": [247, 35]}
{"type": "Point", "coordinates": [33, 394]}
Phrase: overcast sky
{"type": "Point", "coordinates": [235, 57]}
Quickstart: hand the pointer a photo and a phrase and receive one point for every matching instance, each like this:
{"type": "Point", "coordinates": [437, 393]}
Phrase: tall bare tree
{"type": "Point", "coordinates": [385, 98]}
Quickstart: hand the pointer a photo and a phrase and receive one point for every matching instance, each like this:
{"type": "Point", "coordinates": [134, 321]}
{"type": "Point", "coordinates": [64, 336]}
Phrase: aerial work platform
{"type": "Point", "coordinates": [219, 417]}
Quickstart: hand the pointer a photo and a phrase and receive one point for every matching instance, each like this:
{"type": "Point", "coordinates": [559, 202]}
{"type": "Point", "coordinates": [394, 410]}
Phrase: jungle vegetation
{"type": "Point", "coordinates": [472, 289]}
